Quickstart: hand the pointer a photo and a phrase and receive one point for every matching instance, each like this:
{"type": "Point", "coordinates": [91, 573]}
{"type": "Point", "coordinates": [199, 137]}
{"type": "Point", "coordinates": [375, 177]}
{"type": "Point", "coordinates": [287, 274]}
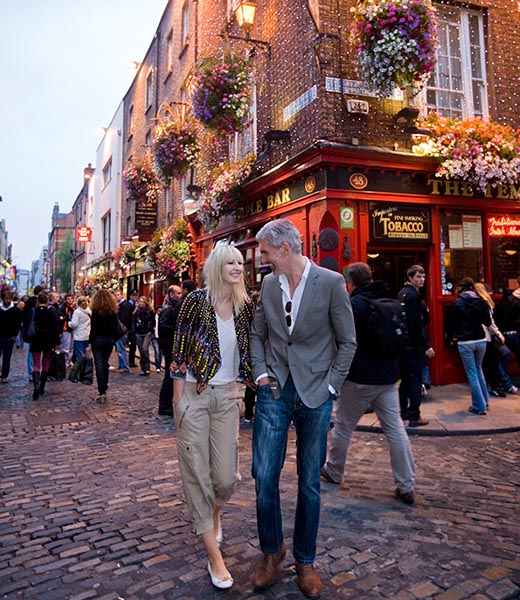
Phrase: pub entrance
{"type": "Point", "coordinates": [391, 265]}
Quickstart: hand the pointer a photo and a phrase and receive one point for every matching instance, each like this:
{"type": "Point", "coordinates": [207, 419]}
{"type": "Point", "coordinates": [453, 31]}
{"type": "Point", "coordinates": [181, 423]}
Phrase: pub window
{"type": "Point", "coordinates": [149, 90]}
{"type": "Point", "coordinates": [243, 143]}
{"type": "Point", "coordinates": [107, 172]}
{"type": "Point", "coordinates": [504, 251]}
{"type": "Point", "coordinates": [131, 120]}
{"type": "Point", "coordinates": [185, 24]}
{"type": "Point", "coordinates": [458, 86]}
{"type": "Point", "coordinates": [106, 225]}
{"type": "Point", "coordinates": [169, 53]}
{"type": "Point", "coordinates": [461, 248]}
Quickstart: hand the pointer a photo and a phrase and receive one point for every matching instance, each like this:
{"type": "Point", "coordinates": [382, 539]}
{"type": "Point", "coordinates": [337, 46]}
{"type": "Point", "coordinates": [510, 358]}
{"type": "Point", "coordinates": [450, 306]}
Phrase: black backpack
{"type": "Point", "coordinates": [386, 331]}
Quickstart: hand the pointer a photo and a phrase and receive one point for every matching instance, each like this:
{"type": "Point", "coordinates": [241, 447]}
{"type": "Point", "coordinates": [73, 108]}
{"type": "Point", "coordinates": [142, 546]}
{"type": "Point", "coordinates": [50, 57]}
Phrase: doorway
{"type": "Point", "coordinates": [391, 266]}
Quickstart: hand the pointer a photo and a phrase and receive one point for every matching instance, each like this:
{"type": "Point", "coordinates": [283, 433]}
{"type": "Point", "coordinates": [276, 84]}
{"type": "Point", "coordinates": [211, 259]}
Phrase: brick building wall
{"type": "Point", "coordinates": [309, 43]}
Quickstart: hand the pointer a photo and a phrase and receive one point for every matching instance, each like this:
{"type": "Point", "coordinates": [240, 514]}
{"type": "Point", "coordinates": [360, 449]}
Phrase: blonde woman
{"type": "Point", "coordinates": [211, 351]}
{"type": "Point", "coordinates": [498, 355]}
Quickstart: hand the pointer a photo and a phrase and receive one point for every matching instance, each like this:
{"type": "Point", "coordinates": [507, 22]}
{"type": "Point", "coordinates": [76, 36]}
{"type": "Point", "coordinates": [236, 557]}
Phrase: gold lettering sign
{"type": "Point", "coordinates": [441, 187]}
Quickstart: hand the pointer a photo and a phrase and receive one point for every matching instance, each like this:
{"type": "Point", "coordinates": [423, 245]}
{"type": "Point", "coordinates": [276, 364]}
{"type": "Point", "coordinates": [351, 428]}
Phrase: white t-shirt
{"type": "Point", "coordinates": [228, 345]}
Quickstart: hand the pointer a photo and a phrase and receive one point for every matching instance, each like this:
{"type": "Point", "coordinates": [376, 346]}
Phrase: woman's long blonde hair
{"type": "Point", "coordinates": [213, 276]}
{"type": "Point", "coordinates": [481, 290]}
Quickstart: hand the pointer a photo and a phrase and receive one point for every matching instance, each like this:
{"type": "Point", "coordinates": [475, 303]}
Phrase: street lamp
{"type": "Point", "coordinates": [245, 14]}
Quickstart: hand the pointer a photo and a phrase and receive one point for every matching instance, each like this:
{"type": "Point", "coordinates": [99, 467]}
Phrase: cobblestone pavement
{"type": "Point", "coordinates": [92, 507]}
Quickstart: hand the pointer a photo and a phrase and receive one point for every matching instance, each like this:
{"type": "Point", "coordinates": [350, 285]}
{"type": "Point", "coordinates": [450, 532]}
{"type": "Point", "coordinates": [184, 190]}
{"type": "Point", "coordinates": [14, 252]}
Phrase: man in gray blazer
{"type": "Point", "coordinates": [302, 342]}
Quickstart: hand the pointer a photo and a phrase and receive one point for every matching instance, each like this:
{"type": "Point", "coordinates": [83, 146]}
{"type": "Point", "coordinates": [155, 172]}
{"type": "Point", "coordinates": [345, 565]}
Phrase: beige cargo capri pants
{"type": "Point", "coordinates": [207, 427]}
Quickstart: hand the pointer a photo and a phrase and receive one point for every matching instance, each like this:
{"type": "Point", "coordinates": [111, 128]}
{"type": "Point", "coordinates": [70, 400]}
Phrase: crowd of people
{"type": "Point", "coordinates": [300, 343]}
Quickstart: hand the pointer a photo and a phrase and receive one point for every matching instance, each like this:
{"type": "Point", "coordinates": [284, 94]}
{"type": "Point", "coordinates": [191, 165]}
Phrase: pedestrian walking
{"type": "Point", "coordinates": [125, 311]}
{"type": "Point", "coordinates": [302, 343]}
{"type": "Point", "coordinates": [211, 350]}
{"type": "Point", "coordinates": [371, 383]}
{"type": "Point", "coordinates": [67, 340]}
{"type": "Point", "coordinates": [44, 339]}
{"type": "Point", "coordinates": [418, 347]}
{"type": "Point", "coordinates": [165, 331]}
{"type": "Point", "coordinates": [498, 355]}
{"type": "Point", "coordinates": [26, 316]}
{"type": "Point", "coordinates": [143, 326]}
{"type": "Point", "coordinates": [80, 327]}
{"type": "Point", "coordinates": [469, 313]}
{"type": "Point", "coordinates": [10, 322]}
{"type": "Point", "coordinates": [104, 328]}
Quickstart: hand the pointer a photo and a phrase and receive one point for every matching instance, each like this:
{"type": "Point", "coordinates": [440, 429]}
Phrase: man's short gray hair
{"type": "Point", "coordinates": [275, 233]}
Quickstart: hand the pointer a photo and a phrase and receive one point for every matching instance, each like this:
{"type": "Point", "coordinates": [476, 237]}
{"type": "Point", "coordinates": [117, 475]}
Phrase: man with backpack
{"type": "Point", "coordinates": [372, 380]}
{"type": "Point", "coordinates": [419, 347]}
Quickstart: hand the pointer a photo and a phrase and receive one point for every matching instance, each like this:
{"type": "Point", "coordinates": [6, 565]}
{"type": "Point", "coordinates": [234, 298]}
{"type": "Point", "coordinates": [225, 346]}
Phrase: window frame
{"type": "Point", "coordinates": [456, 18]}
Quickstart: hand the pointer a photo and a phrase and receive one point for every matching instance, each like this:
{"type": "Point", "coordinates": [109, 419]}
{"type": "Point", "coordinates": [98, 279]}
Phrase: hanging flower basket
{"type": "Point", "coordinates": [125, 255]}
{"type": "Point", "coordinates": [474, 150]}
{"type": "Point", "coordinates": [223, 190]}
{"type": "Point", "coordinates": [394, 43]}
{"type": "Point", "coordinates": [169, 252]}
{"type": "Point", "coordinates": [176, 148]}
{"type": "Point", "coordinates": [141, 181]}
{"type": "Point", "coordinates": [221, 92]}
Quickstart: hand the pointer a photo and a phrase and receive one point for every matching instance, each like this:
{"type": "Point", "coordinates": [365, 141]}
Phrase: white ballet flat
{"type": "Point", "coordinates": [221, 583]}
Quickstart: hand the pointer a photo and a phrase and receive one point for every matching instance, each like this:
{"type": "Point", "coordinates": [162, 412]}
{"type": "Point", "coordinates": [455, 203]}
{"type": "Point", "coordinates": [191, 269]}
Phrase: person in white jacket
{"type": "Point", "coordinates": [80, 325]}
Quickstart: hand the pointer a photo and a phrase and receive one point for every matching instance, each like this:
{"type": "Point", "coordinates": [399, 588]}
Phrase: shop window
{"type": "Point", "coordinates": [504, 251]}
{"type": "Point", "coordinates": [458, 86]}
{"type": "Point", "coordinates": [461, 248]}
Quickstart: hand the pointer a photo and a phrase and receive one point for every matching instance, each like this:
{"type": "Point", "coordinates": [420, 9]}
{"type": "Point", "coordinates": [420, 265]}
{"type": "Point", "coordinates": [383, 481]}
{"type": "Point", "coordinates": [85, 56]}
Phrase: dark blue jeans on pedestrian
{"type": "Point", "coordinates": [271, 426]}
{"type": "Point", "coordinates": [6, 351]}
{"type": "Point", "coordinates": [166, 391]}
{"type": "Point", "coordinates": [411, 381]}
{"type": "Point", "coordinates": [102, 347]}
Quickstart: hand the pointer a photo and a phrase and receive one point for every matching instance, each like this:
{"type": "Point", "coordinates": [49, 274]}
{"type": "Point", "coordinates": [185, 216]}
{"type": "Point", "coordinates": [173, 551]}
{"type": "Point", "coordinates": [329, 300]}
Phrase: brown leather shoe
{"type": "Point", "coordinates": [265, 569]}
{"type": "Point", "coordinates": [308, 580]}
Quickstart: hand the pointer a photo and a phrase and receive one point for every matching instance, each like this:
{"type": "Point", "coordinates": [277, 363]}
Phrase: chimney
{"type": "Point", "coordinates": [87, 173]}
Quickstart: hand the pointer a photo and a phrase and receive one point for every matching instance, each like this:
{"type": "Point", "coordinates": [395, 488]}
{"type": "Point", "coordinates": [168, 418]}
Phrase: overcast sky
{"type": "Point", "coordinates": [64, 69]}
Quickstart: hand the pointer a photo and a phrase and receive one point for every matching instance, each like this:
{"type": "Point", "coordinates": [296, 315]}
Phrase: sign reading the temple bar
{"type": "Point", "coordinates": [504, 226]}
{"type": "Point", "coordinates": [83, 233]}
{"type": "Point", "coordinates": [146, 213]}
{"type": "Point", "coordinates": [399, 222]}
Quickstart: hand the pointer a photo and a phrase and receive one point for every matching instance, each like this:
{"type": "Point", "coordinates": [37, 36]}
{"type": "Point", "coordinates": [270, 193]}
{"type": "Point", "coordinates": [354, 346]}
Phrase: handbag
{"type": "Point", "coordinates": [30, 331]}
{"type": "Point", "coordinates": [121, 330]}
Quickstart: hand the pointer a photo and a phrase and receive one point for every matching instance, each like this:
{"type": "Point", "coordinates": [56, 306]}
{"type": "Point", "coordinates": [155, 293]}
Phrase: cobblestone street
{"type": "Point", "coordinates": [92, 507]}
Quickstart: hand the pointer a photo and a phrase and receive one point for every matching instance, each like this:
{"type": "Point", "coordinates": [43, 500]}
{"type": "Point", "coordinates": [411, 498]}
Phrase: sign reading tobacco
{"type": "Point", "coordinates": [399, 222]}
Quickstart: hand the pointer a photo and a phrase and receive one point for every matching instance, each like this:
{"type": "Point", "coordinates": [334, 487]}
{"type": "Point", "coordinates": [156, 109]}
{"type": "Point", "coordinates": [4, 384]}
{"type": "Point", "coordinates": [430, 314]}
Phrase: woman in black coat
{"type": "Point", "coordinates": [104, 330]}
{"type": "Point", "coordinates": [43, 341]}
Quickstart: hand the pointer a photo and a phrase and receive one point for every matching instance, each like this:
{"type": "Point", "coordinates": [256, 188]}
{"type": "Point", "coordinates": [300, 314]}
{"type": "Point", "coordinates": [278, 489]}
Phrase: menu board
{"type": "Point", "coordinates": [472, 231]}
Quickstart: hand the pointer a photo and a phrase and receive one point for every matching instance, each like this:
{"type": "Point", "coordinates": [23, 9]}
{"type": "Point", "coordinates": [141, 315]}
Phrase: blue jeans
{"type": "Point", "coordinates": [79, 348]}
{"type": "Point", "coordinates": [271, 426]}
{"type": "Point", "coordinates": [122, 355]}
{"type": "Point", "coordinates": [472, 356]}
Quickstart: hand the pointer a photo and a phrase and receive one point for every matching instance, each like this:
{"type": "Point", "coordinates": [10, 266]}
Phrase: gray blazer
{"type": "Point", "coordinates": [323, 341]}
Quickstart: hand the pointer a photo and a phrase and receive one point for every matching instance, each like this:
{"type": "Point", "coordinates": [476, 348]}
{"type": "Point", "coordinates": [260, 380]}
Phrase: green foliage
{"type": "Point", "coordinates": [63, 264]}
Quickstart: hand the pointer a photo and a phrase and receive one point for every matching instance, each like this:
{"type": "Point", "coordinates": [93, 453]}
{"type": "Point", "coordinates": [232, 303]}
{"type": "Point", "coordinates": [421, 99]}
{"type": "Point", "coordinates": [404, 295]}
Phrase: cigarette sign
{"type": "Point", "coordinates": [83, 233]}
